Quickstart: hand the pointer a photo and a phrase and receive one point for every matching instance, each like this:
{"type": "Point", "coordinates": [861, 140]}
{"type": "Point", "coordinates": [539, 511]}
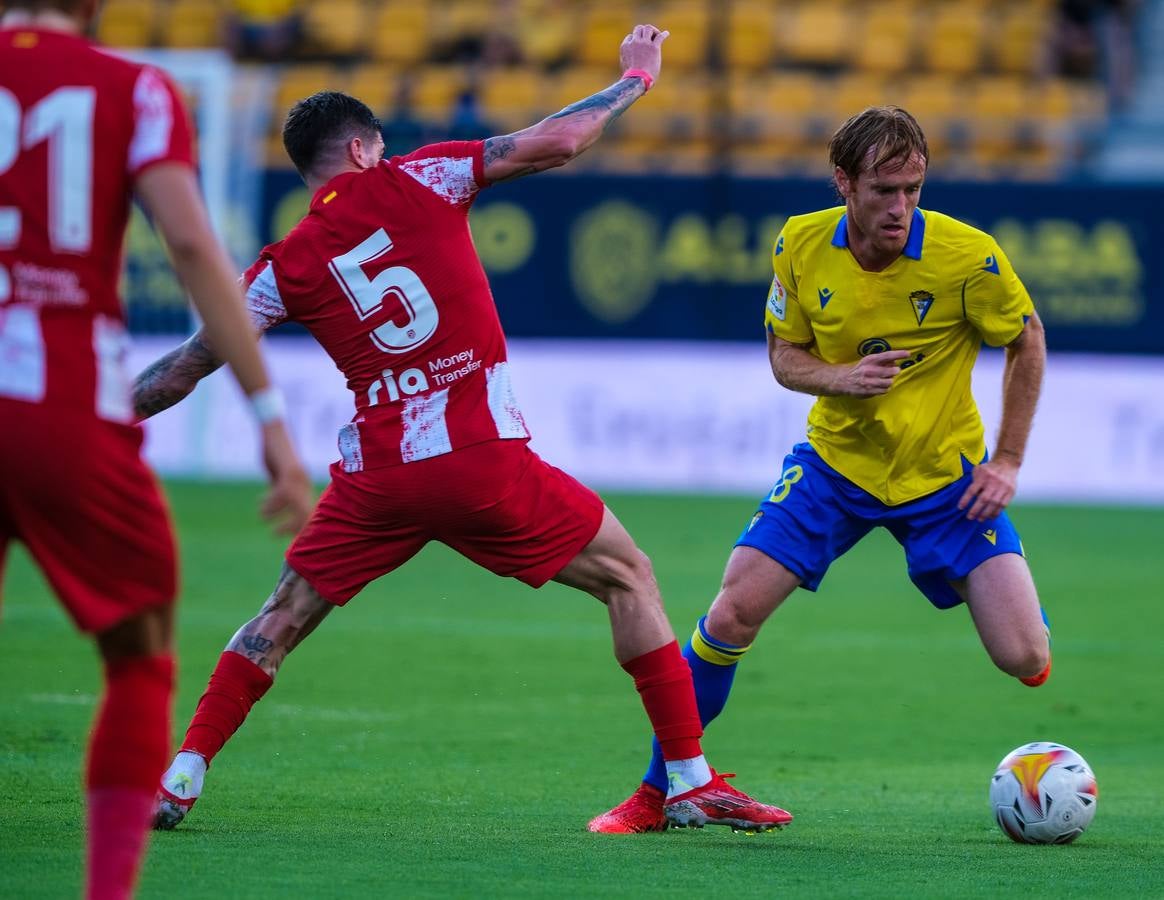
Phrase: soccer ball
{"type": "Point", "coordinates": [1043, 793]}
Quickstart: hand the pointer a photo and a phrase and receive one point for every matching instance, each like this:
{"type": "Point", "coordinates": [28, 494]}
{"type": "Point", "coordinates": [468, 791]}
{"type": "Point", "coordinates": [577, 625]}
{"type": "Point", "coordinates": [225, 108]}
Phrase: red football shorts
{"type": "Point", "coordinates": [77, 493]}
{"type": "Point", "coordinates": [497, 503]}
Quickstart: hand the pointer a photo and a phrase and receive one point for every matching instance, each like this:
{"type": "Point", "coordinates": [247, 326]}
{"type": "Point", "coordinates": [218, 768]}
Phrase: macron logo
{"type": "Point", "coordinates": [991, 265]}
{"type": "Point", "coordinates": [825, 296]}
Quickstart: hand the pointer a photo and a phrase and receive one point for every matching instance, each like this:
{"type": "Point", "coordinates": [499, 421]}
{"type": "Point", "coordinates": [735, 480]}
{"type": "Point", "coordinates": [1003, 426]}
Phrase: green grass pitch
{"type": "Point", "coordinates": [450, 733]}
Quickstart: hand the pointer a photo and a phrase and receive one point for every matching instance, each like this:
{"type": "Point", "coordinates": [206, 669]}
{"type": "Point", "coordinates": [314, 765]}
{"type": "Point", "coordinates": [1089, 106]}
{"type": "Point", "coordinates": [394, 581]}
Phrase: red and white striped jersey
{"type": "Point", "coordinates": [77, 126]}
{"type": "Point", "coordinates": [383, 272]}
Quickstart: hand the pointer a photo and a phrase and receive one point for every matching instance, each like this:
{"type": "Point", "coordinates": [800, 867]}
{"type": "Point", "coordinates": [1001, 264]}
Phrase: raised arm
{"type": "Point", "coordinates": [556, 140]}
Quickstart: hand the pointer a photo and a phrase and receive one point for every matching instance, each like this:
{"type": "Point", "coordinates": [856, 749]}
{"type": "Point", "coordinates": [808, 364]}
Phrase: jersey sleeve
{"type": "Point", "coordinates": [454, 171]}
{"type": "Point", "coordinates": [783, 315]}
{"type": "Point", "coordinates": [161, 127]}
{"type": "Point", "coordinates": [264, 302]}
{"type": "Point", "coordinates": [995, 300]}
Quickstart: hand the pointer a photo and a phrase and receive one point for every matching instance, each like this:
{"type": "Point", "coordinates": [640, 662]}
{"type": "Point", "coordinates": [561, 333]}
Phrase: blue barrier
{"type": "Point", "coordinates": [688, 258]}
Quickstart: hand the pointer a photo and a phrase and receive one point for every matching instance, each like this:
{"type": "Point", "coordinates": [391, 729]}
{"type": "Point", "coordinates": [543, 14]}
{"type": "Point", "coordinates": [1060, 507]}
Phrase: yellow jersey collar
{"type": "Point", "coordinates": [913, 246]}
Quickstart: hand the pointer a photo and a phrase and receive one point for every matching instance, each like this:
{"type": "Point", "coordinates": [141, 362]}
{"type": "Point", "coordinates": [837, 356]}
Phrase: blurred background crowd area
{"type": "Point", "coordinates": [1005, 89]}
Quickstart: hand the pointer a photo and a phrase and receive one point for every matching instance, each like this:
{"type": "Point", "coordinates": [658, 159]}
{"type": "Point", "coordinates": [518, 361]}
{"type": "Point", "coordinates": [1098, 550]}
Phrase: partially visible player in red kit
{"type": "Point", "coordinates": [383, 273]}
{"type": "Point", "coordinates": [81, 131]}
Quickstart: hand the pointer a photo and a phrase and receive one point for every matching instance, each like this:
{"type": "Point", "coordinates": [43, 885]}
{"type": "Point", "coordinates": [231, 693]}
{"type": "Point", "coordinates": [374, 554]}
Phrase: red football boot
{"type": "Point", "coordinates": [641, 811]}
{"type": "Point", "coordinates": [718, 803]}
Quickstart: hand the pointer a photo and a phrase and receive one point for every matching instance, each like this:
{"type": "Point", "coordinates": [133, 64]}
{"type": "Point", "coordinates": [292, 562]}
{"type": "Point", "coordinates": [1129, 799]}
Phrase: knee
{"type": "Point", "coordinates": [628, 574]}
{"type": "Point", "coordinates": [1024, 657]}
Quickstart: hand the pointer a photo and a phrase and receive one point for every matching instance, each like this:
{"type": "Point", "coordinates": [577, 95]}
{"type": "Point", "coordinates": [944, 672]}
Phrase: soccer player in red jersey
{"type": "Point", "coordinates": [383, 273]}
{"type": "Point", "coordinates": [81, 131]}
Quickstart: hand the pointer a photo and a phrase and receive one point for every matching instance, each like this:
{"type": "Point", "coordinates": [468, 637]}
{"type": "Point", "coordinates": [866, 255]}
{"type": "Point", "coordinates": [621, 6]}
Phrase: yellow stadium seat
{"type": "Point", "coordinates": [782, 110]}
{"type": "Point", "coordinates": [819, 34]}
{"type": "Point", "coordinates": [997, 109]}
{"type": "Point", "coordinates": [887, 38]}
{"type": "Point", "coordinates": [547, 37]}
{"type": "Point", "coordinates": [603, 28]}
{"type": "Point", "coordinates": [299, 81]}
{"type": "Point", "coordinates": [127, 23]}
{"type": "Point", "coordinates": [747, 36]}
{"type": "Point", "coordinates": [849, 93]}
{"type": "Point", "coordinates": [336, 27]}
{"type": "Point", "coordinates": [375, 84]}
{"type": "Point", "coordinates": [937, 102]}
{"type": "Point", "coordinates": [952, 37]}
{"type": "Point", "coordinates": [512, 98]}
{"type": "Point", "coordinates": [436, 89]}
{"type": "Point", "coordinates": [192, 23]}
{"type": "Point", "coordinates": [399, 33]}
{"type": "Point", "coordinates": [1019, 38]}
{"type": "Point", "coordinates": [686, 47]}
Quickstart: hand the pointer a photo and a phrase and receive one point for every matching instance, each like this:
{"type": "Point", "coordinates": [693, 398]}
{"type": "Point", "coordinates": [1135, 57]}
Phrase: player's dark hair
{"type": "Point", "coordinates": [322, 124]}
{"type": "Point", "coordinates": [889, 131]}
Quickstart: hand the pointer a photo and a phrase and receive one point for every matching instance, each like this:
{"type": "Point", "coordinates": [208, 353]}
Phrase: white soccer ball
{"type": "Point", "coordinates": [1043, 793]}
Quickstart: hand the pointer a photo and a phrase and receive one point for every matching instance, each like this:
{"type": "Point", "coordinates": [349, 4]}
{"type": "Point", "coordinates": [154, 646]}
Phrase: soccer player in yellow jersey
{"type": "Point", "coordinates": [878, 308]}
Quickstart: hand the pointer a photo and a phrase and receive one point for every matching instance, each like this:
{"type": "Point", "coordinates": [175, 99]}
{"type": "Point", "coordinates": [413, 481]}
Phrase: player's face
{"type": "Point", "coordinates": [880, 205]}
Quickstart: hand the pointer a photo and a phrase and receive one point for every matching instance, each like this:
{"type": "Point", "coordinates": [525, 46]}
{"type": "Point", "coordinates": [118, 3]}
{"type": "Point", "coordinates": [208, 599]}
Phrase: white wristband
{"type": "Point", "coordinates": [267, 405]}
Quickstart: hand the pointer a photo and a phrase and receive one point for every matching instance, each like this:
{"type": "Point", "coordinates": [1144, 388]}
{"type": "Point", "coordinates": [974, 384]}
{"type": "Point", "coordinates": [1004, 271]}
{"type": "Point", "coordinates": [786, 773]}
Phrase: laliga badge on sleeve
{"type": "Point", "coordinates": [776, 298]}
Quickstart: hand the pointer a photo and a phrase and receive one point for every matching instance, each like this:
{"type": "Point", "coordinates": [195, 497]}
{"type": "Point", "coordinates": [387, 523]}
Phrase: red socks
{"type": "Point", "coordinates": [235, 686]}
{"type": "Point", "coordinates": [663, 680]}
{"type": "Point", "coordinates": [127, 755]}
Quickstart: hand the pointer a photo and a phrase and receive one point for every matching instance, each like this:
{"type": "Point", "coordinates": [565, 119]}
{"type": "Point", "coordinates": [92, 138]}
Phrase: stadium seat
{"type": "Point", "coordinates": [938, 103]}
{"type": "Point", "coordinates": [687, 45]}
{"type": "Point", "coordinates": [847, 94]}
{"type": "Point", "coordinates": [375, 83]}
{"type": "Point", "coordinates": [603, 28]}
{"type": "Point", "coordinates": [951, 38]}
{"type": "Point", "coordinates": [779, 113]}
{"type": "Point", "coordinates": [818, 34]}
{"type": "Point", "coordinates": [128, 23]}
{"type": "Point", "coordinates": [548, 36]}
{"type": "Point", "coordinates": [399, 33]}
{"type": "Point", "coordinates": [1020, 39]}
{"type": "Point", "coordinates": [336, 28]}
{"type": "Point", "coordinates": [887, 38]}
{"type": "Point", "coordinates": [748, 39]}
{"type": "Point", "coordinates": [436, 88]}
{"type": "Point", "coordinates": [191, 23]}
{"type": "Point", "coordinates": [512, 98]}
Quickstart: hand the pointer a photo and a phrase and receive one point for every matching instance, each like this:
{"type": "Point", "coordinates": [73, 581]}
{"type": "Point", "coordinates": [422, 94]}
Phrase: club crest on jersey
{"type": "Point", "coordinates": [777, 298]}
{"type": "Point", "coordinates": [921, 301]}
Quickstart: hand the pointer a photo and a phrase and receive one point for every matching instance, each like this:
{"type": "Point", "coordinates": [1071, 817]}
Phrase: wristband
{"type": "Point", "coordinates": [267, 405]}
{"type": "Point", "coordinates": [640, 73]}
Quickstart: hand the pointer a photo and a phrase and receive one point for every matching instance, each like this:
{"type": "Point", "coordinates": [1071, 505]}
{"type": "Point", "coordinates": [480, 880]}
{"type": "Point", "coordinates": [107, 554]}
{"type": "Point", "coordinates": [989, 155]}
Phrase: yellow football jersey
{"type": "Point", "coordinates": [951, 289]}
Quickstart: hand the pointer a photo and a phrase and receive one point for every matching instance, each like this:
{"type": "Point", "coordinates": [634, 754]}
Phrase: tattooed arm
{"type": "Point", "coordinates": [171, 378]}
{"type": "Point", "coordinates": [556, 140]}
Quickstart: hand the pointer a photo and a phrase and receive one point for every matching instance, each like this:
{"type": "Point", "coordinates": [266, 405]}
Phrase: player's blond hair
{"type": "Point", "coordinates": [891, 133]}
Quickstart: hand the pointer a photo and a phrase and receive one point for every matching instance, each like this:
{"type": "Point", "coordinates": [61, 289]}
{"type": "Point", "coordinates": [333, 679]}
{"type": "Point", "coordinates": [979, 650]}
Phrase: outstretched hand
{"type": "Point", "coordinates": [992, 487]}
{"type": "Point", "coordinates": [290, 498]}
{"type": "Point", "coordinates": [643, 49]}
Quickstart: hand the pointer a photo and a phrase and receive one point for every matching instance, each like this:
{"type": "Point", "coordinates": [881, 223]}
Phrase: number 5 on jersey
{"type": "Point", "coordinates": [367, 294]}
